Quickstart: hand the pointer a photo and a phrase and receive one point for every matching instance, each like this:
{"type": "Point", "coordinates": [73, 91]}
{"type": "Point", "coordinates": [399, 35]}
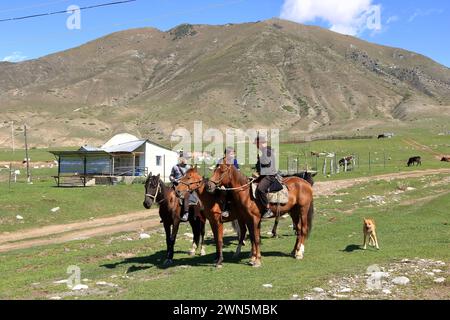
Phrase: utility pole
{"type": "Point", "coordinates": [12, 137]}
{"type": "Point", "coordinates": [26, 155]}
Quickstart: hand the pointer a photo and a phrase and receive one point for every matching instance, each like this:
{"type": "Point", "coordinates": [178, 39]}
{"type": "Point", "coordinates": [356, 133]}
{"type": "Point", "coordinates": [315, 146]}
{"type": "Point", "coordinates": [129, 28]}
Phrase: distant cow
{"type": "Point", "coordinates": [445, 159]}
{"type": "Point", "coordinates": [382, 136]}
{"type": "Point", "coordinates": [349, 160]}
{"type": "Point", "coordinates": [414, 160]}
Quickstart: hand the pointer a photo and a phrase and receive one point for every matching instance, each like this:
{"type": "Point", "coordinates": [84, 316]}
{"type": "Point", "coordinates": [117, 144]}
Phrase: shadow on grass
{"type": "Point", "coordinates": [181, 258]}
{"type": "Point", "coordinates": [352, 247]}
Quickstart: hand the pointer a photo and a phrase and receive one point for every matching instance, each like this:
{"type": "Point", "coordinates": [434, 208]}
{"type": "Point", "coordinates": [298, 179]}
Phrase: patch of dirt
{"type": "Point", "coordinates": [329, 188]}
{"type": "Point", "coordinates": [78, 231]}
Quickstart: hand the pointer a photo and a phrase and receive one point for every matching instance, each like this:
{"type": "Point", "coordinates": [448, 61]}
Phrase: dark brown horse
{"type": "Point", "coordinates": [212, 210]}
{"type": "Point", "coordinates": [169, 211]}
{"type": "Point", "coordinates": [300, 207]}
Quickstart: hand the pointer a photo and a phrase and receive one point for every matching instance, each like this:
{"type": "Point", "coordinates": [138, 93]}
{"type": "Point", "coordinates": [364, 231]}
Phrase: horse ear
{"type": "Point", "coordinates": [195, 168]}
{"type": "Point", "coordinates": [159, 175]}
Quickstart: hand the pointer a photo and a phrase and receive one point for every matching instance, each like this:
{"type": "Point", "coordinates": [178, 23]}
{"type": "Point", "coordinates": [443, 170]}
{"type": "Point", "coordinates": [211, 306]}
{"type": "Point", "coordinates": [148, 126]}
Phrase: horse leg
{"type": "Point", "coordinates": [304, 210]}
{"type": "Point", "coordinates": [242, 232]}
{"type": "Point", "coordinates": [251, 232]}
{"type": "Point", "coordinates": [257, 235]}
{"type": "Point", "coordinates": [275, 227]}
{"type": "Point", "coordinates": [173, 238]}
{"type": "Point", "coordinates": [196, 232]}
{"type": "Point", "coordinates": [217, 229]}
{"type": "Point", "coordinates": [295, 215]}
{"type": "Point", "coordinates": [202, 239]}
{"type": "Point", "coordinates": [169, 253]}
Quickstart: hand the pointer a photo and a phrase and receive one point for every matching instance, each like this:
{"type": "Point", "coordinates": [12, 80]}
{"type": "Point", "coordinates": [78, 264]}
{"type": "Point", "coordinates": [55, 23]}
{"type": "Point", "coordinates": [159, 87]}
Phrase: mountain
{"type": "Point", "coordinates": [305, 80]}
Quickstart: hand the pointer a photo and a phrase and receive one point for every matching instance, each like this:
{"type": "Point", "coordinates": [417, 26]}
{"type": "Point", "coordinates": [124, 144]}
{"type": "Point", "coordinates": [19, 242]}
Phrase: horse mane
{"type": "Point", "coordinates": [240, 177]}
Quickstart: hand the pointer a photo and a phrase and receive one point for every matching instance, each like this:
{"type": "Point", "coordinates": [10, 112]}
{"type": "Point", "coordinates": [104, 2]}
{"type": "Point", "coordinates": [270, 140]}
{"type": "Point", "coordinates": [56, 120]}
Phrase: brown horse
{"type": "Point", "coordinates": [308, 177]}
{"type": "Point", "coordinates": [193, 181]}
{"type": "Point", "coordinates": [169, 211]}
{"type": "Point", "coordinates": [300, 207]}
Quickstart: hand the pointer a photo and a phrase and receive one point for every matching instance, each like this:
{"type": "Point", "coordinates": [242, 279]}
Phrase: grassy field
{"type": "Point", "coordinates": [411, 224]}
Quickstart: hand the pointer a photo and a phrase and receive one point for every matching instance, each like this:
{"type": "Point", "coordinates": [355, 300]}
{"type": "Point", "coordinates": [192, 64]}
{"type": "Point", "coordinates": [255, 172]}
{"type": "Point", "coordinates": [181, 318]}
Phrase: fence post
{"type": "Point", "coordinates": [325, 166]}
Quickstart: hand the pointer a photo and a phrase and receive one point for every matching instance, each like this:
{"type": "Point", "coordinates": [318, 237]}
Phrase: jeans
{"type": "Point", "coordinates": [263, 189]}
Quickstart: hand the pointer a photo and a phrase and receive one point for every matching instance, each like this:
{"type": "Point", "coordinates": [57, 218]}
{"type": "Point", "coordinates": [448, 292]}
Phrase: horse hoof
{"type": "Point", "coordinates": [192, 253]}
{"type": "Point", "coordinates": [299, 257]}
{"type": "Point", "coordinates": [257, 264]}
{"type": "Point", "coordinates": [202, 253]}
{"type": "Point", "coordinates": [219, 266]}
{"type": "Point", "coordinates": [168, 262]}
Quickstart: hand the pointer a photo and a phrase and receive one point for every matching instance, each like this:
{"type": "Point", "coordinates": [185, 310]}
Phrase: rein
{"type": "Point", "coordinates": [231, 189]}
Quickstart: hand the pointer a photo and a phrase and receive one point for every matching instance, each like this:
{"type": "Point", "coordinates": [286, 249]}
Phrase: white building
{"type": "Point", "coordinates": [124, 155]}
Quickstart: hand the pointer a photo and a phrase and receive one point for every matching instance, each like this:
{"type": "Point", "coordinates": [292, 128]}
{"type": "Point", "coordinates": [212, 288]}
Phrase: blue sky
{"type": "Point", "coordinates": [420, 26]}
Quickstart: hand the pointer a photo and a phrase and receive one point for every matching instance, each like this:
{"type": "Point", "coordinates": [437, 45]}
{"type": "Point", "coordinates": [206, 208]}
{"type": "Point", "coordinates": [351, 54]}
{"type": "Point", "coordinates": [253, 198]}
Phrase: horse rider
{"type": "Point", "coordinates": [267, 174]}
{"type": "Point", "coordinates": [178, 171]}
{"type": "Point", "coordinates": [230, 157]}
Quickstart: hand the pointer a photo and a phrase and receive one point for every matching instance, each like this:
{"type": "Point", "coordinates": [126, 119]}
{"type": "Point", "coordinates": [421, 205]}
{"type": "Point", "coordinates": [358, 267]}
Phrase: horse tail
{"type": "Point", "coordinates": [310, 218]}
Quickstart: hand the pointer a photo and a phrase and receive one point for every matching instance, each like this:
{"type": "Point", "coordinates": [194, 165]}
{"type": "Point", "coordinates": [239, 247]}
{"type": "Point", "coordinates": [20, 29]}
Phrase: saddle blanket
{"type": "Point", "coordinates": [280, 197]}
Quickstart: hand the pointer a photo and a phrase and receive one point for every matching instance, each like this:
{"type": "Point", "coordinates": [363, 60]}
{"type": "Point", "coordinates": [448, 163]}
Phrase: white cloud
{"type": "Point", "coordinates": [424, 13]}
{"type": "Point", "coordinates": [392, 19]}
{"type": "Point", "coordinates": [348, 17]}
{"type": "Point", "coordinates": [16, 56]}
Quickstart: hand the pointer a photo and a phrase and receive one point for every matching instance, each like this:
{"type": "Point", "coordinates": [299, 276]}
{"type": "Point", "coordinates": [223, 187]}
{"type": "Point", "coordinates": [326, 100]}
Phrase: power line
{"type": "Point", "coordinates": [65, 11]}
{"type": "Point", "coordinates": [33, 6]}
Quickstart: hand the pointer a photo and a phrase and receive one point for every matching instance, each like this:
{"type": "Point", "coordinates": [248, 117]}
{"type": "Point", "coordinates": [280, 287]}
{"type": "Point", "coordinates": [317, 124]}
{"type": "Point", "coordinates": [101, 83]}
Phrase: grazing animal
{"type": "Point", "coordinates": [369, 229]}
{"type": "Point", "coordinates": [193, 181]}
{"type": "Point", "coordinates": [300, 207]}
{"type": "Point", "coordinates": [445, 159]}
{"type": "Point", "coordinates": [382, 136]}
{"type": "Point", "coordinates": [169, 211]}
{"type": "Point", "coordinates": [414, 160]}
{"type": "Point", "coordinates": [349, 160]}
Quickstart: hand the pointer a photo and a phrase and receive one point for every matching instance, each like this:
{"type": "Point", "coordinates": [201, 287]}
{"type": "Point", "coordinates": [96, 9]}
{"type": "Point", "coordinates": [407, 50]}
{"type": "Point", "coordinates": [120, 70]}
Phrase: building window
{"type": "Point", "coordinates": [158, 161]}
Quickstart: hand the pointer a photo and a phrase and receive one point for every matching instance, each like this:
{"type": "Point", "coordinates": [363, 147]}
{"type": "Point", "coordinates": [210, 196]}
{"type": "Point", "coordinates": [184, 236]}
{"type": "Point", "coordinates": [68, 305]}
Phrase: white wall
{"type": "Point", "coordinates": [171, 159]}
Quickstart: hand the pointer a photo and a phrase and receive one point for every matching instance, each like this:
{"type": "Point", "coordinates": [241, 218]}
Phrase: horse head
{"type": "Point", "coordinates": [191, 181]}
{"type": "Point", "coordinates": [152, 189]}
{"type": "Point", "coordinates": [221, 176]}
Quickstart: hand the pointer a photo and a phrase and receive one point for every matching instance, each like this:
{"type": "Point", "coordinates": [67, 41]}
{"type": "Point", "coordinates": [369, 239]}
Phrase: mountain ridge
{"type": "Point", "coordinates": [304, 80]}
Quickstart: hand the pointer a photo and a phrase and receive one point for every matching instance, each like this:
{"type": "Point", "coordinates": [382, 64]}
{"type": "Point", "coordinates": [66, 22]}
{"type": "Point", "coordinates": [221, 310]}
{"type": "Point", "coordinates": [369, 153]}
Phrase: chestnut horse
{"type": "Point", "coordinates": [300, 207]}
{"type": "Point", "coordinates": [169, 211]}
{"type": "Point", "coordinates": [193, 181]}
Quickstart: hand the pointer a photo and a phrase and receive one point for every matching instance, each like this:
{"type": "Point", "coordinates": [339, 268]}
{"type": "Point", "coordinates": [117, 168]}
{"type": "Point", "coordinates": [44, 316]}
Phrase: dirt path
{"type": "Point", "coordinates": [148, 219]}
{"type": "Point", "coordinates": [421, 147]}
{"type": "Point", "coordinates": [326, 188]}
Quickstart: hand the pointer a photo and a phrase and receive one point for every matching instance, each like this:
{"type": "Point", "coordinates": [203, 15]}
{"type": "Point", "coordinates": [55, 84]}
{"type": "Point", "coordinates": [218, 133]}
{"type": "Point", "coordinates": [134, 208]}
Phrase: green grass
{"type": "Point", "coordinates": [34, 202]}
{"type": "Point", "coordinates": [419, 229]}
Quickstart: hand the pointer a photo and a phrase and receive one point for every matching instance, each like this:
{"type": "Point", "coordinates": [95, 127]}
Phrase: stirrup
{"type": "Point", "coordinates": [268, 214]}
{"type": "Point", "coordinates": [185, 217]}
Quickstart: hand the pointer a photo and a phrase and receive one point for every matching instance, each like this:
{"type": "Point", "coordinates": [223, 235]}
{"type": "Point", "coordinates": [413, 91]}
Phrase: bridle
{"type": "Point", "coordinates": [216, 183]}
{"type": "Point", "coordinates": [153, 197]}
{"type": "Point", "coordinates": [188, 184]}
{"type": "Point", "coordinates": [222, 176]}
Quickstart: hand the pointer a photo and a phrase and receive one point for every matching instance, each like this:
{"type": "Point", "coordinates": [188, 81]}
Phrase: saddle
{"type": "Point", "coordinates": [278, 192]}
